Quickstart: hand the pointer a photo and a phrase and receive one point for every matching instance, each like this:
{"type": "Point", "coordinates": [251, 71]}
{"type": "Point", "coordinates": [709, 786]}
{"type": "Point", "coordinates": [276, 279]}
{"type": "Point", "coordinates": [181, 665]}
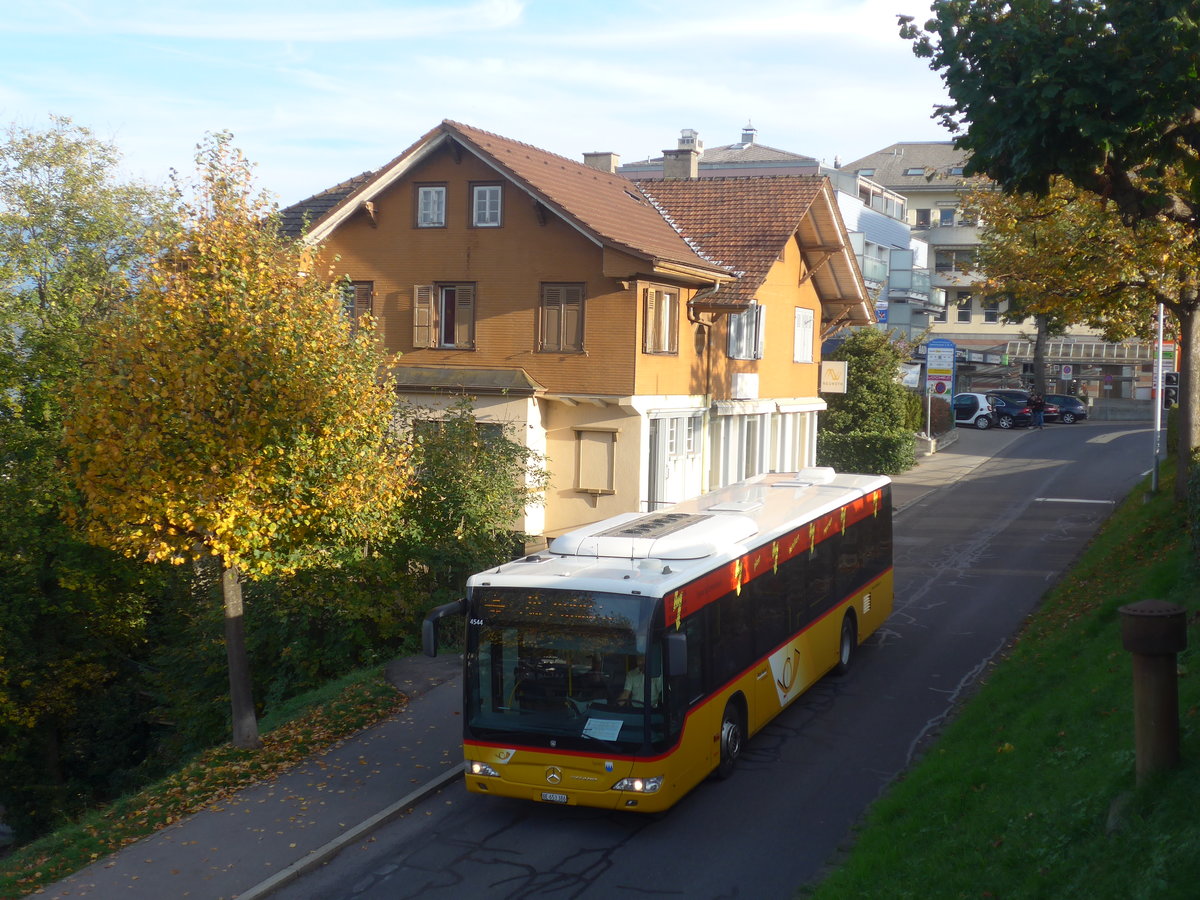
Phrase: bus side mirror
{"type": "Point", "coordinates": [429, 627]}
{"type": "Point", "coordinates": [676, 654]}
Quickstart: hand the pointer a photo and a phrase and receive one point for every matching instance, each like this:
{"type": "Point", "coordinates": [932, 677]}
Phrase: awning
{"type": "Point", "coordinates": [464, 380]}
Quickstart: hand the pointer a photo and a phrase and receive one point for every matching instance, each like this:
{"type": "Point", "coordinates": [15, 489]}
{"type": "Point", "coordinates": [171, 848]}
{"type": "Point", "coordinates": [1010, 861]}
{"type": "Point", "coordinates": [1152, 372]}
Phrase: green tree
{"type": "Point", "coordinates": [1102, 92]}
{"type": "Point", "coordinates": [1066, 258]}
{"type": "Point", "coordinates": [72, 232]}
{"type": "Point", "coordinates": [474, 480]}
{"type": "Point", "coordinates": [864, 429]}
{"type": "Point", "coordinates": [231, 412]}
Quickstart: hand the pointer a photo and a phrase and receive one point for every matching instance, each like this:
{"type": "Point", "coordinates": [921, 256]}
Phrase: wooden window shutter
{"type": "Point", "coordinates": [760, 330]}
{"type": "Point", "coordinates": [572, 317]}
{"type": "Point", "coordinates": [464, 315]}
{"type": "Point", "coordinates": [552, 317]}
{"type": "Point", "coordinates": [423, 310]}
{"type": "Point", "coordinates": [671, 321]}
{"type": "Point", "coordinates": [649, 321]}
{"type": "Point", "coordinates": [595, 465]}
{"type": "Point", "coordinates": [364, 296]}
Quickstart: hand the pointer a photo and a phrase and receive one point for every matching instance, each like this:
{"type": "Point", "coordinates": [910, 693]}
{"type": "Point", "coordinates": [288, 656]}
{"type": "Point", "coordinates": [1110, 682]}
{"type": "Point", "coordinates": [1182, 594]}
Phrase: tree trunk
{"type": "Point", "coordinates": [1189, 392]}
{"type": "Point", "coordinates": [1039, 354]}
{"type": "Point", "coordinates": [241, 697]}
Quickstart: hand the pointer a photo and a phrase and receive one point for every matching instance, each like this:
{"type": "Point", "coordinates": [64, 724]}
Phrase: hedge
{"type": "Point", "coordinates": [867, 452]}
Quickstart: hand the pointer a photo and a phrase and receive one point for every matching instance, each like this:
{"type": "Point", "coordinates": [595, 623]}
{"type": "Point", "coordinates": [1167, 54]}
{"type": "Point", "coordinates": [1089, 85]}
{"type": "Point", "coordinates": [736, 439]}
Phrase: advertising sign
{"type": "Point", "coordinates": [939, 367]}
{"type": "Point", "coordinates": [833, 376]}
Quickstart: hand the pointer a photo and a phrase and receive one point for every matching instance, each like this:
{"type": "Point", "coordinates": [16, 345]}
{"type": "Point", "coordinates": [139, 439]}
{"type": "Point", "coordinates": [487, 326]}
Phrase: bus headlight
{"type": "Point", "coordinates": [639, 785]}
{"type": "Point", "coordinates": [475, 767]}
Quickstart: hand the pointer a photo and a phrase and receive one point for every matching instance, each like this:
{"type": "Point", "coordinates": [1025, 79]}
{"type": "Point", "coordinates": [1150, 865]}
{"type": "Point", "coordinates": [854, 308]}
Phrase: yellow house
{"type": "Point", "coordinates": [653, 339]}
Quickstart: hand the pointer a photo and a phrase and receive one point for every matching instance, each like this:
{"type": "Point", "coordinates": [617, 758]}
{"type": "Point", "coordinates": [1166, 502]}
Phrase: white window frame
{"type": "Point", "coordinates": [747, 333]}
{"type": "Point", "coordinates": [805, 335]}
{"type": "Point", "coordinates": [431, 206]}
{"type": "Point", "coordinates": [486, 205]}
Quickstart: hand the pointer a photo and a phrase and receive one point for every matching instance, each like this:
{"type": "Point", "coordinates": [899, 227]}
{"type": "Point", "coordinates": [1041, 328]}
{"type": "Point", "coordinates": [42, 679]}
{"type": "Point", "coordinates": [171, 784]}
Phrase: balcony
{"type": "Point", "coordinates": [951, 235]}
{"type": "Point", "coordinates": [910, 286]}
{"type": "Point", "coordinates": [874, 269]}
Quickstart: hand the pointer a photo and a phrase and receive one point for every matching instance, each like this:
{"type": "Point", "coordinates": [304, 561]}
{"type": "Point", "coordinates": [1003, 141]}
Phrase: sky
{"type": "Point", "coordinates": [318, 92]}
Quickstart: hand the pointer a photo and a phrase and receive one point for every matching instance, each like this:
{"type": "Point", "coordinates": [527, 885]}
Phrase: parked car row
{"type": "Point", "coordinates": [1009, 408]}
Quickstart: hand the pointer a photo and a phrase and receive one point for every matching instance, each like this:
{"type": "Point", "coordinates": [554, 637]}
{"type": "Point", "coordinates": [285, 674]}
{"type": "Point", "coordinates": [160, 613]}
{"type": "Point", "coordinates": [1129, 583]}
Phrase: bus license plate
{"type": "Point", "coordinates": [554, 798]}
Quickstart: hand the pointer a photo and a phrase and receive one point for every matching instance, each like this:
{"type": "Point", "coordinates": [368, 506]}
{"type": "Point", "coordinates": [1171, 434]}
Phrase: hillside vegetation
{"type": "Point", "coordinates": [1031, 791]}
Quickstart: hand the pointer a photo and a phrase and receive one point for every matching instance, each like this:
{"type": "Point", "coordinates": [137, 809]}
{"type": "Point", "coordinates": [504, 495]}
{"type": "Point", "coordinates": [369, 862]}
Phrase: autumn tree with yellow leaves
{"type": "Point", "coordinates": [231, 412]}
{"type": "Point", "coordinates": [1068, 256]}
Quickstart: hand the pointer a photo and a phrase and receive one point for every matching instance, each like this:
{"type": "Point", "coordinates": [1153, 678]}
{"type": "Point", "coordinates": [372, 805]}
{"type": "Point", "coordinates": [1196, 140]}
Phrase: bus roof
{"type": "Point", "coordinates": [655, 553]}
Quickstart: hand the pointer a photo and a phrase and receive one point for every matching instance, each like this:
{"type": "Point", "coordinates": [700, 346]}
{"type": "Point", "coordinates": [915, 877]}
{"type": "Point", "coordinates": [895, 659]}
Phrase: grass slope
{"type": "Point", "coordinates": [1030, 792]}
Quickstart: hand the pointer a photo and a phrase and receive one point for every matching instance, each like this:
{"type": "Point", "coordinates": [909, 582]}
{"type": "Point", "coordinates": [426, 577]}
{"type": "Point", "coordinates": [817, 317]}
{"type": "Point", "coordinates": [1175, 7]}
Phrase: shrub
{"type": "Point", "coordinates": [943, 421]}
{"type": "Point", "coordinates": [914, 412]}
{"type": "Point", "coordinates": [869, 428]}
{"type": "Point", "coordinates": [868, 452]}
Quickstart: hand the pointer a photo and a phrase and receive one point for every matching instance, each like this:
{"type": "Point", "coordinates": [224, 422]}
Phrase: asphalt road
{"type": "Point", "coordinates": [972, 560]}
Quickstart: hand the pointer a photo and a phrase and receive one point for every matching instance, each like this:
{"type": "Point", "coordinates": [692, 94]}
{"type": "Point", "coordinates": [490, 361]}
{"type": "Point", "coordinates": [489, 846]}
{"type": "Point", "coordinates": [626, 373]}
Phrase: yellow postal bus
{"type": "Point", "coordinates": [635, 656]}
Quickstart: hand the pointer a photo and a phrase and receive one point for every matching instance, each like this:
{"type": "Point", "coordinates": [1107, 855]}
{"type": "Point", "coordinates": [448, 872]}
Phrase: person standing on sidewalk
{"type": "Point", "coordinates": [1037, 406]}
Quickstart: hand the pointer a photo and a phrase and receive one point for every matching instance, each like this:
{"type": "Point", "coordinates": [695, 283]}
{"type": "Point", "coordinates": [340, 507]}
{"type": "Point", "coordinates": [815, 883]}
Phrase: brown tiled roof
{"type": "Point", "coordinates": [604, 205]}
{"type": "Point", "coordinates": [296, 219]}
{"type": "Point", "coordinates": [745, 222]}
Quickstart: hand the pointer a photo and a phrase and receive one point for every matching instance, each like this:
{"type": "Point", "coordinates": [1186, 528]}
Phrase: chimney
{"type": "Point", "coordinates": [749, 133]}
{"type": "Point", "coordinates": [681, 163]}
{"type": "Point", "coordinates": [689, 139]}
{"type": "Point", "coordinates": [602, 160]}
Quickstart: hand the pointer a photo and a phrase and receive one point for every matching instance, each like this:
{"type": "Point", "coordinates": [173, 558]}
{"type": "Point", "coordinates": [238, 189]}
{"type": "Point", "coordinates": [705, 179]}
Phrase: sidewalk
{"type": "Point", "coordinates": [970, 450]}
{"type": "Point", "coordinates": [261, 838]}
{"type": "Point", "coordinates": [253, 842]}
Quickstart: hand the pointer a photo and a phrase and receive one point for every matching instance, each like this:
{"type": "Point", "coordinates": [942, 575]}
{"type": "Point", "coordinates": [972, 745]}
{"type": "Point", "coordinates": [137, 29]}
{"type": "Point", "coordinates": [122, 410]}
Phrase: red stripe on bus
{"type": "Point", "coordinates": [741, 571]}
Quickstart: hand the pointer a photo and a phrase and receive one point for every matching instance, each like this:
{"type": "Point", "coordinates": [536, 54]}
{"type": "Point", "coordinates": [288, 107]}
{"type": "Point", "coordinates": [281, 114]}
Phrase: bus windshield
{"type": "Point", "coordinates": [562, 668]}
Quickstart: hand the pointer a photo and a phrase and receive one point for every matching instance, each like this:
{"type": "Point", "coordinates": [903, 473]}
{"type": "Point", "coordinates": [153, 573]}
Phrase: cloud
{"type": "Point", "coordinates": [274, 22]}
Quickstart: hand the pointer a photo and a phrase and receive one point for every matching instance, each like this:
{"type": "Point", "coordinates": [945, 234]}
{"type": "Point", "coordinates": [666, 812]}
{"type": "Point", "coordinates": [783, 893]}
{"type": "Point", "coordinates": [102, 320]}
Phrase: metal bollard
{"type": "Point", "coordinates": [1154, 632]}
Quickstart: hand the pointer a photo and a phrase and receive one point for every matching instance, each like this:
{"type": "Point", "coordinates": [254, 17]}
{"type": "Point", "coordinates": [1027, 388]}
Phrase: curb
{"type": "Point", "coordinates": [339, 843]}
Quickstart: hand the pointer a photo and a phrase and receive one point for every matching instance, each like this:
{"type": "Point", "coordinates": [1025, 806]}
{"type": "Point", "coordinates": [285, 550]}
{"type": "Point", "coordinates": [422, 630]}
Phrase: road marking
{"type": "Point", "coordinates": [1109, 438]}
{"type": "Point", "coordinates": [1071, 500]}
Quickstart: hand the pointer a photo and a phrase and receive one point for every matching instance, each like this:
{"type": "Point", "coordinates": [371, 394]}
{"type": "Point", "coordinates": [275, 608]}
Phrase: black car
{"type": "Point", "coordinates": [1009, 411]}
{"type": "Point", "coordinates": [1070, 409]}
{"type": "Point", "coordinates": [1049, 414]}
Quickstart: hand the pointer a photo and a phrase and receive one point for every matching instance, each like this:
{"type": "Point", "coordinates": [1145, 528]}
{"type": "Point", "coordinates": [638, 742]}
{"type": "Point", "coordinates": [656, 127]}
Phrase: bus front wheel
{"type": "Point", "coordinates": [732, 735]}
{"type": "Point", "coordinates": [846, 644]}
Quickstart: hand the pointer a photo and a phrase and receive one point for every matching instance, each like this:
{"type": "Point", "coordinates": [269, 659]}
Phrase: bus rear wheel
{"type": "Point", "coordinates": [846, 644]}
{"type": "Point", "coordinates": [732, 735]}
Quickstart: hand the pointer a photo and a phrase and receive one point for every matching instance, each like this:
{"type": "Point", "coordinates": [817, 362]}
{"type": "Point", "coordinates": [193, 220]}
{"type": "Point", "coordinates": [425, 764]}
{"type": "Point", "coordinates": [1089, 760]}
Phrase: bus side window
{"type": "Point", "coordinates": [768, 599]}
{"type": "Point", "coordinates": [695, 686]}
{"type": "Point", "coordinates": [820, 579]}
